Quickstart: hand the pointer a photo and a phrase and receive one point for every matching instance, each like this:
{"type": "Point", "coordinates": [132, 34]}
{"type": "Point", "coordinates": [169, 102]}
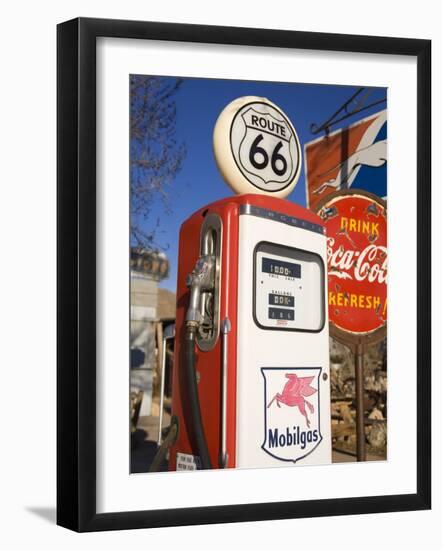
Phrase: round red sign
{"type": "Point", "coordinates": [356, 226]}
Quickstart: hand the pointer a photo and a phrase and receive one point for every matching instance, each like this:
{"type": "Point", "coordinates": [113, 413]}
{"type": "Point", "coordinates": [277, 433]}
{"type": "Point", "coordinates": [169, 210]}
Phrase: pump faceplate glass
{"type": "Point", "coordinates": [288, 288]}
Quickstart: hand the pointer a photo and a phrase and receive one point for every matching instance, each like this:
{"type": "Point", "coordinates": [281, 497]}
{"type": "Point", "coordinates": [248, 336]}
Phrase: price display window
{"type": "Point", "coordinates": [288, 288]}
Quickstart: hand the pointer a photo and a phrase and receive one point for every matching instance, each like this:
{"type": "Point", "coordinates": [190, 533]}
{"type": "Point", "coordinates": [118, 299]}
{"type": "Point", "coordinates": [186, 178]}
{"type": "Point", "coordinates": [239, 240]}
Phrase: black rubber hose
{"type": "Point", "coordinates": [164, 447]}
{"type": "Point", "coordinates": [194, 401]}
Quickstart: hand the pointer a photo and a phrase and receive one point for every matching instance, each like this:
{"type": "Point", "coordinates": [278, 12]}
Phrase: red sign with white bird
{"type": "Point", "coordinates": [354, 157]}
{"type": "Point", "coordinates": [356, 227]}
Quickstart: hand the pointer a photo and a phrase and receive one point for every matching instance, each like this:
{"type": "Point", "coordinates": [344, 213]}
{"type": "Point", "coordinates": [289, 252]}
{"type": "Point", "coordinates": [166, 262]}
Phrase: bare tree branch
{"type": "Point", "coordinates": [155, 155]}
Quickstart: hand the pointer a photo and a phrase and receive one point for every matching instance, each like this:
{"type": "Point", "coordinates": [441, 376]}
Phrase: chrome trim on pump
{"type": "Point", "coordinates": [259, 212]}
{"type": "Point", "coordinates": [210, 245]}
{"type": "Point", "coordinates": [226, 327]}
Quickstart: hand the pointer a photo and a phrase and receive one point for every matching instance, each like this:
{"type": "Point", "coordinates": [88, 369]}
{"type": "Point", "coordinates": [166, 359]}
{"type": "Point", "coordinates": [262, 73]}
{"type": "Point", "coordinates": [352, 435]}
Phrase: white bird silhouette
{"type": "Point", "coordinates": [374, 155]}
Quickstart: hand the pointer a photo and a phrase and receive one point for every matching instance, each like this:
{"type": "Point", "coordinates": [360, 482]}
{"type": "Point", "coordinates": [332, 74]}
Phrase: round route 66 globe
{"type": "Point", "coordinates": [256, 147]}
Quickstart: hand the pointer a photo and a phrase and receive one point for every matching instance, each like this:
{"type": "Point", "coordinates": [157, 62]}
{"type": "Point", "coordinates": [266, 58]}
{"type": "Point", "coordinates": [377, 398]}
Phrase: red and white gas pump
{"type": "Point", "coordinates": [251, 384]}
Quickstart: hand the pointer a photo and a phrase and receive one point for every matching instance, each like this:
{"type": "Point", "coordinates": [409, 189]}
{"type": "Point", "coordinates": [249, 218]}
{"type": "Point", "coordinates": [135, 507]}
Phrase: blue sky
{"type": "Point", "coordinates": [199, 102]}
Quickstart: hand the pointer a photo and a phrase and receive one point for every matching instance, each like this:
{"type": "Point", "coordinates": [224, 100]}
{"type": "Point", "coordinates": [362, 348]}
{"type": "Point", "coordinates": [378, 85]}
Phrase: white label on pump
{"type": "Point", "coordinates": [256, 147]}
{"type": "Point", "coordinates": [187, 463]}
{"type": "Point", "coordinates": [292, 419]}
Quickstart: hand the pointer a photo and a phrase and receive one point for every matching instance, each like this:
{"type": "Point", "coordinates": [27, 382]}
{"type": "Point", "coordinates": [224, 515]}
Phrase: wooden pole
{"type": "Point", "coordinates": [360, 405]}
{"type": "Point", "coordinates": [159, 346]}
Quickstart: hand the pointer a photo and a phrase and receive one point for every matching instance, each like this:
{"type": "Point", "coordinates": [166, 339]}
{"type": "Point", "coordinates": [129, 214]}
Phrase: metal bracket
{"type": "Point", "coordinates": [345, 111]}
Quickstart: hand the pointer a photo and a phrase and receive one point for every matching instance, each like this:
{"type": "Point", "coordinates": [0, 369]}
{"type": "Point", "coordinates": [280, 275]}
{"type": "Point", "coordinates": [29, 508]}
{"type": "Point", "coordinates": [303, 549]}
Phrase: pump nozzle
{"type": "Point", "coordinates": [200, 280]}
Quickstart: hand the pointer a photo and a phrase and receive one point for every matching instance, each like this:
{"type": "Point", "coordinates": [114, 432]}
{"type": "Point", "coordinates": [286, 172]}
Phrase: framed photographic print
{"type": "Point", "coordinates": [228, 199]}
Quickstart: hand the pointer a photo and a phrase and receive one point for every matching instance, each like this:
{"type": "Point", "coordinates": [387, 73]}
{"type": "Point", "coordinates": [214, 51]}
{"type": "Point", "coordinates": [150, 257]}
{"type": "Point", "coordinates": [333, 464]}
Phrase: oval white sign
{"type": "Point", "coordinates": [256, 147]}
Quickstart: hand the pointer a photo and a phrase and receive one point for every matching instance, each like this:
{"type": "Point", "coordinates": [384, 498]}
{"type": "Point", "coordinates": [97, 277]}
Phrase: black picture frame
{"type": "Point", "coordinates": [76, 272]}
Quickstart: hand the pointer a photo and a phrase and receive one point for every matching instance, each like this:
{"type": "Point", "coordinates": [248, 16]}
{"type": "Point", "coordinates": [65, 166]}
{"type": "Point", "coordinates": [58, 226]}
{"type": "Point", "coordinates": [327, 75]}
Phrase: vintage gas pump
{"type": "Point", "coordinates": [251, 385]}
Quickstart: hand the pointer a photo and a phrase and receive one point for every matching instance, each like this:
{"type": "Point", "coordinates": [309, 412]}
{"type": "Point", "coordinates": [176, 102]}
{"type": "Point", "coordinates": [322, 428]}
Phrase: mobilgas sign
{"type": "Point", "coordinates": [292, 428]}
{"type": "Point", "coordinates": [356, 225]}
{"type": "Point", "coordinates": [256, 147]}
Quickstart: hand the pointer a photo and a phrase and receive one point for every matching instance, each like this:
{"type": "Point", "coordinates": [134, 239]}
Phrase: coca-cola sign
{"type": "Point", "coordinates": [356, 226]}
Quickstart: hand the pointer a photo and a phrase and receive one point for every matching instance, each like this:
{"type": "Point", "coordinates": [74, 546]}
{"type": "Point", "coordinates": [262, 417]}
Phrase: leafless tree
{"type": "Point", "coordinates": [155, 155]}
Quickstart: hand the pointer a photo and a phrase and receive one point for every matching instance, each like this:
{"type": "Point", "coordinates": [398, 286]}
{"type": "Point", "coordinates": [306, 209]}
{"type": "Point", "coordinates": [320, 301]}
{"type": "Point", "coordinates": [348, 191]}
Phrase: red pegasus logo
{"type": "Point", "coordinates": [294, 393]}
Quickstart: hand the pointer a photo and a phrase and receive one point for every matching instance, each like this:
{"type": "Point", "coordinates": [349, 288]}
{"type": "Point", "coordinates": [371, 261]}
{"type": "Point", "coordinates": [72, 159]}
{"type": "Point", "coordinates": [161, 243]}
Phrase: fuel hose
{"type": "Point", "coordinates": [169, 440]}
{"type": "Point", "coordinates": [194, 402]}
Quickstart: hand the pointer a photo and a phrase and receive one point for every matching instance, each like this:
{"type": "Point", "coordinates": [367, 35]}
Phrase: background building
{"type": "Point", "coordinates": [147, 268]}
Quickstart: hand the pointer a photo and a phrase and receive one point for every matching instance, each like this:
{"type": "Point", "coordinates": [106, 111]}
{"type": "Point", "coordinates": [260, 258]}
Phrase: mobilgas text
{"type": "Point", "coordinates": [294, 436]}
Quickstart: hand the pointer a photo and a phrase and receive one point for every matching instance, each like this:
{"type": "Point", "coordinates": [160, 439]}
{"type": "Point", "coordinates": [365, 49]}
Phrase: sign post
{"type": "Point", "coordinates": [356, 226]}
{"type": "Point", "coordinates": [360, 404]}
